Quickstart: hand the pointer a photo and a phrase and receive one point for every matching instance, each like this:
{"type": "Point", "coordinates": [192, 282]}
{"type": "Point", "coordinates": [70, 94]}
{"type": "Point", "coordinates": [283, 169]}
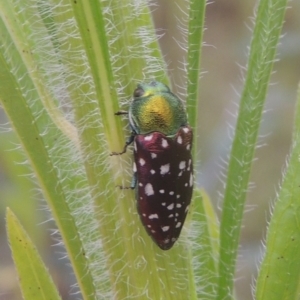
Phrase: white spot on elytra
{"type": "Point", "coordinates": [179, 139]}
{"type": "Point", "coordinates": [153, 216]}
{"type": "Point", "coordinates": [185, 184]}
{"type": "Point", "coordinates": [134, 167]}
{"type": "Point", "coordinates": [171, 193]}
{"type": "Point", "coordinates": [178, 205]}
{"type": "Point", "coordinates": [186, 129]}
{"type": "Point", "coordinates": [148, 137]}
{"type": "Point", "coordinates": [191, 180]}
{"type": "Point", "coordinates": [152, 171]}
{"type": "Point", "coordinates": [174, 239]}
{"type": "Point", "coordinates": [176, 215]}
{"type": "Point", "coordinates": [162, 191]}
{"type": "Point", "coordinates": [171, 206]}
{"type": "Point", "coordinates": [166, 241]}
{"type": "Point", "coordinates": [171, 216]}
{"type": "Point", "coordinates": [140, 184]}
{"type": "Point", "coordinates": [187, 208]}
{"type": "Point", "coordinates": [164, 143]}
{"type": "Point", "coordinates": [182, 165]}
{"type": "Point", "coordinates": [163, 204]}
{"type": "Point", "coordinates": [178, 224]}
{"type": "Point", "coordinates": [164, 169]}
{"type": "Point", "coordinates": [177, 196]}
{"type": "Point", "coordinates": [189, 167]}
{"type": "Point", "coordinates": [144, 215]}
{"type": "Point", "coordinates": [142, 161]}
{"type": "Point", "coordinates": [153, 155]}
{"type": "Point", "coordinates": [165, 228]}
{"type": "Point", "coordinates": [149, 189]}
{"type": "Point", "coordinates": [153, 231]}
{"type": "Point", "coordinates": [149, 226]}
{"type": "Point", "coordinates": [188, 147]}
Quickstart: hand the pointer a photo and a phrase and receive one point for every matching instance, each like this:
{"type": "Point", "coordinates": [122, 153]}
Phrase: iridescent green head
{"type": "Point", "coordinates": [155, 108]}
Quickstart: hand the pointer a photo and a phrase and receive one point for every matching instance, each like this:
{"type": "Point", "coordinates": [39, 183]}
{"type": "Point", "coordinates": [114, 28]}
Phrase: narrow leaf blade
{"type": "Point", "coordinates": [280, 272]}
{"type": "Point", "coordinates": [268, 24]}
{"type": "Point", "coordinates": [35, 280]}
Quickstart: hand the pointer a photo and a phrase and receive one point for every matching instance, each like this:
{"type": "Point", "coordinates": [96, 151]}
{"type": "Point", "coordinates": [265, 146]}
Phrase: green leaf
{"type": "Point", "coordinates": [130, 253]}
{"type": "Point", "coordinates": [195, 37]}
{"type": "Point", "coordinates": [205, 249]}
{"type": "Point", "coordinates": [69, 147]}
{"type": "Point", "coordinates": [266, 33]}
{"type": "Point", "coordinates": [35, 281]}
{"type": "Point", "coordinates": [46, 138]}
{"type": "Point", "coordinates": [279, 276]}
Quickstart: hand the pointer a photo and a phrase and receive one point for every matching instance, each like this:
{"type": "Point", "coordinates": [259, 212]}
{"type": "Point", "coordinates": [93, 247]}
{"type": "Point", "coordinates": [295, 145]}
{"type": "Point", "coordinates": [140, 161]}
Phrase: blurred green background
{"type": "Point", "coordinates": [226, 38]}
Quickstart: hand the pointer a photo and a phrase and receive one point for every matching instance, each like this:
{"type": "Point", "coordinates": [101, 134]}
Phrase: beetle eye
{"type": "Point", "coordinates": [138, 92]}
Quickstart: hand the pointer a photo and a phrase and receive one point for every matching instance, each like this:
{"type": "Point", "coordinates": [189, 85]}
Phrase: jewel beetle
{"type": "Point", "coordinates": [163, 168]}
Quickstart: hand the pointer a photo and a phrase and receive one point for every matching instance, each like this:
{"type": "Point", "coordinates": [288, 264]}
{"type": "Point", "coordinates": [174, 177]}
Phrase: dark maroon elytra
{"type": "Point", "coordinates": [164, 171]}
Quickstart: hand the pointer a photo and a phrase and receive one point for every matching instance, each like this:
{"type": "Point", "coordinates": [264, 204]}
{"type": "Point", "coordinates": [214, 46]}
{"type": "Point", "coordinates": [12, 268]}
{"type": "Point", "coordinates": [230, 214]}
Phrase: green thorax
{"type": "Point", "coordinates": [155, 108]}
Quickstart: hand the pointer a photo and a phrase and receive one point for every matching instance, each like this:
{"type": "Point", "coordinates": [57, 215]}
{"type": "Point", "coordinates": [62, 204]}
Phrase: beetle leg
{"type": "Point", "coordinates": [133, 181]}
{"type": "Point", "coordinates": [121, 112]}
{"type": "Point", "coordinates": [128, 142]}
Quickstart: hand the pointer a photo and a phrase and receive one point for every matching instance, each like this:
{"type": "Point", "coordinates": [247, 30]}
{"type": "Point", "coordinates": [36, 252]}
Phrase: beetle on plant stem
{"type": "Point", "coordinates": [163, 168]}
